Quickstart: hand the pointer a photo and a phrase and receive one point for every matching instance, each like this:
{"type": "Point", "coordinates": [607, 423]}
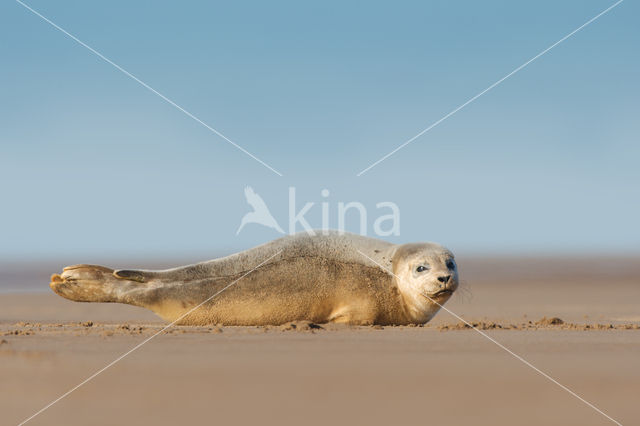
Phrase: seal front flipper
{"type": "Point", "coordinates": [132, 275]}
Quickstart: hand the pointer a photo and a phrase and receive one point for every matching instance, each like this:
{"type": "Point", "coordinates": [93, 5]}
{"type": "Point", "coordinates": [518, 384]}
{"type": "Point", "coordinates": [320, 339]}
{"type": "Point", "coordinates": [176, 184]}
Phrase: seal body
{"type": "Point", "coordinates": [336, 277]}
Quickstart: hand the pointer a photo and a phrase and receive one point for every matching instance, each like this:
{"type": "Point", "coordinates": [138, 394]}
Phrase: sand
{"type": "Point", "coordinates": [576, 319]}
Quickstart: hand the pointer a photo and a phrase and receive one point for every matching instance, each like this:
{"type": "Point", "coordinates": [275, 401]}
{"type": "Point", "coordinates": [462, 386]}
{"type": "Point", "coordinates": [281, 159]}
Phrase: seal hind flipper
{"type": "Point", "coordinates": [95, 283]}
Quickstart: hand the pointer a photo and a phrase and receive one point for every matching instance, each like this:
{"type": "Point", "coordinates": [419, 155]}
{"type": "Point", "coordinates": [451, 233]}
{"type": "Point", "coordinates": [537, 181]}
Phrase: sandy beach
{"type": "Point", "coordinates": [442, 373]}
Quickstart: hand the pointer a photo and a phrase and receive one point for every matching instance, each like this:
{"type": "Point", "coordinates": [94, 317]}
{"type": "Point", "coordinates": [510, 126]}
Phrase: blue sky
{"type": "Point", "coordinates": [92, 164]}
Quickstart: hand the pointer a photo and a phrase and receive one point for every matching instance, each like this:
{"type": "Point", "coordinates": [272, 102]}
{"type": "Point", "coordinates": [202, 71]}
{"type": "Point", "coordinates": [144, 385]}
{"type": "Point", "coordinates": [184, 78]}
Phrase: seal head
{"type": "Point", "coordinates": [427, 276]}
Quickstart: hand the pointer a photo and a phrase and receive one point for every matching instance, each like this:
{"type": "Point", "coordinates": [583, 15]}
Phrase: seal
{"type": "Point", "coordinates": [331, 277]}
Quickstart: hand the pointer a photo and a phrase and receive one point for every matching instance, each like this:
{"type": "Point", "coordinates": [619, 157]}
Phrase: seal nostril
{"type": "Point", "coordinates": [444, 278]}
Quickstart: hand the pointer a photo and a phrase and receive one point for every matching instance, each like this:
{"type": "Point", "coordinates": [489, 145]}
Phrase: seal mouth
{"type": "Point", "coordinates": [442, 293]}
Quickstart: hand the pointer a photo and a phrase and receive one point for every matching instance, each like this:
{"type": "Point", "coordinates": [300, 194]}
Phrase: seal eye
{"type": "Point", "coordinates": [451, 264]}
{"type": "Point", "coordinates": [421, 268]}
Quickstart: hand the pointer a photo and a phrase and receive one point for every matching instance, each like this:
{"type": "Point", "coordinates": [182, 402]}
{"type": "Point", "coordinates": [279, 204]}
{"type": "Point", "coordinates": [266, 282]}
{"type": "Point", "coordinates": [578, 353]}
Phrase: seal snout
{"type": "Point", "coordinates": [446, 285]}
{"type": "Point", "coordinates": [447, 282]}
{"type": "Point", "coordinates": [444, 279]}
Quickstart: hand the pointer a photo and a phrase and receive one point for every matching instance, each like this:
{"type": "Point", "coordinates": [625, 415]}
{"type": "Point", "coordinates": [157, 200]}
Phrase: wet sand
{"type": "Point", "coordinates": [443, 373]}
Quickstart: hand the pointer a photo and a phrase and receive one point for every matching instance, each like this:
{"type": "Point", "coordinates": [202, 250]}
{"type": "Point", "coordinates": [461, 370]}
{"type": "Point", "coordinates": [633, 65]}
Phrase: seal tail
{"type": "Point", "coordinates": [95, 283]}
